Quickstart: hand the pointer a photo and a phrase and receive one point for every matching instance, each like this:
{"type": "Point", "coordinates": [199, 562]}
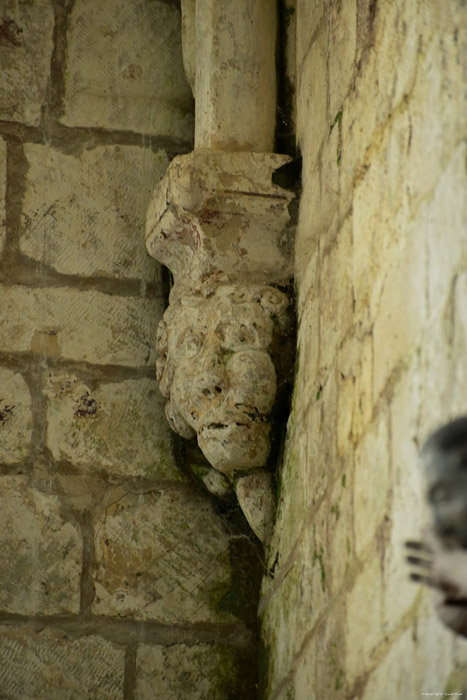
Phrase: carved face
{"type": "Point", "coordinates": [447, 493]}
{"type": "Point", "coordinates": [214, 366]}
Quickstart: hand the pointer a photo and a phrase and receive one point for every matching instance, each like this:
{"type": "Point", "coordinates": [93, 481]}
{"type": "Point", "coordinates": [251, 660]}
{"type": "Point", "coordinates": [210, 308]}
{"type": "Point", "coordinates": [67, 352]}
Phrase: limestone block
{"type": "Point", "coordinates": [343, 41]}
{"type": "Point", "coordinates": [41, 552]}
{"type": "Point", "coordinates": [309, 15]}
{"type": "Point", "coordinates": [191, 672]}
{"type": "Point", "coordinates": [280, 636]}
{"type": "Point", "coordinates": [372, 483]}
{"type": "Point", "coordinates": [408, 513]}
{"type": "Point", "coordinates": [294, 492]}
{"type": "Point", "coordinates": [83, 325]}
{"type": "Point", "coordinates": [15, 417]}
{"type": "Point", "coordinates": [322, 465]}
{"type": "Point", "coordinates": [48, 664]}
{"type": "Point", "coordinates": [363, 620]}
{"type": "Point", "coordinates": [308, 323]}
{"type": "Point", "coordinates": [3, 154]}
{"type": "Point", "coordinates": [394, 675]}
{"type": "Point", "coordinates": [442, 347]}
{"type": "Point", "coordinates": [136, 83]}
{"type": "Point", "coordinates": [437, 109]}
{"type": "Point", "coordinates": [324, 219]}
{"type": "Point", "coordinates": [235, 75]}
{"type": "Point", "coordinates": [375, 238]}
{"type": "Point", "coordinates": [115, 426]}
{"type": "Point", "coordinates": [360, 116]}
{"type": "Point", "coordinates": [355, 396]}
{"type": "Point", "coordinates": [291, 613]}
{"type": "Point", "coordinates": [401, 311]}
{"type": "Point", "coordinates": [446, 211]}
{"type": "Point", "coordinates": [85, 214]}
{"type": "Point", "coordinates": [435, 642]}
{"type": "Point", "coordinates": [336, 315]}
{"type": "Point", "coordinates": [162, 556]}
{"type": "Point", "coordinates": [305, 673]}
{"type": "Point", "coordinates": [312, 121]}
{"type": "Point", "coordinates": [306, 241]}
{"type": "Point", "coordinates": [329, 642]}
{"type": "Point", "coordinates": [25, 61]}
{"type": "Point", "coordinates": [340, 518]}
{"type": "Point", "coordinates": [188, 10]}
{"type": "Point", "coordinates": [397, 48]}
{"type": "Point", "coordinates": [345, 406]}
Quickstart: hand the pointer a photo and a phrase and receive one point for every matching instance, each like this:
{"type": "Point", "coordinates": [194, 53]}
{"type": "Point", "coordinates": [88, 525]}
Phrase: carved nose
{"type": "Point", "coordinates": [212, 379]}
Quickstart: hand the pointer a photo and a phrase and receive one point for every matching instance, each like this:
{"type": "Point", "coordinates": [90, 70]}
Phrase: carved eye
{"type": "Point", "coordinates": [235, 336]}
{"type": "Point", "coordinates": [191, 343]}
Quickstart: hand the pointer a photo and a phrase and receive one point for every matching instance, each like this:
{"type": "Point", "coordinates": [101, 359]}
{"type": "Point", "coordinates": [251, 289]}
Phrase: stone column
{"type": "Point", "coordinates": [222, 227]}
{"type": "Point", "coordinates": [229, 55]}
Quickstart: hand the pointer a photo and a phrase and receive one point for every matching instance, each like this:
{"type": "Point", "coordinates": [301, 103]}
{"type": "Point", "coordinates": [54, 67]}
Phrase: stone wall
{"type": "Point", "coordinates": [117, 576]}
{"type": "Point", "coordinates": [381, 272]}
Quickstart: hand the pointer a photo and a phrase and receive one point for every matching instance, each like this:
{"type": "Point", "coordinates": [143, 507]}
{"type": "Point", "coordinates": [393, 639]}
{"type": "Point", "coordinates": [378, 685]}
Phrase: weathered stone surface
{"type": "Point", "coordinates": [2, 193]}
{"type": "Point", "coordinates": [162, 556]}
{"type": "Point", "coordinates": [25, 61]}
{"type": "Point", "coordinates": [118, 426]}
{"type": "Point", "coordinates": [256, 498]}
{"type": "Point", "coordinates": [215, 368]}
{"type": "Point", "coordinates": [40, 552]}
{"type": "Point", "coordinates": [15, 417]}
{"type": "Point", "coordinates": [312, 94]}
{"type": "Point", "coordinates": [111, 330]}
{"type": "Point", "coordinates": [395, 677]}
{"type": "Point", "coordinates": [136, 83]}
{"type": "Point", "coordinates": [309, 15]}
{"type": "Point", "coordinates": [216, 217]}
{"type": "Point", "coordinates": [342, 40]}
{"type": "Point", "coordinates": [192, 673]}
{"type": "Point", "coordinates": [337, 313]}
{"type": "Point", "coordinates": [408, 512]}
{"type": "Point", "coordinates": [446, 211]}
{"type": "Point", "coordinates": [220, 225]}
{"type": "Point", "coordinates": [85, 214]}
{"type": "Point", "coordinates": [381, 126]}
{"type": "Point", "coordinates": [364, 620]}
{"type": "Point", "coordinates": [294, 609]}
{"type": "Point", "coordinates": [372, 483]}
{"type": "Point", "coordinates": [235, 75]}
{"type": "Point", "coordinates": [50, 665]}
{"type": "Point", "coordinates": [403, 288]}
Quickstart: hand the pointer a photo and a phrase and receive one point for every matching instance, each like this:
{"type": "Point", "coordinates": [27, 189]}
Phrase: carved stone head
{"type": "Point", "coordinates": [215, 365]}
{"type": "Point", "coordinates": [445, 460]}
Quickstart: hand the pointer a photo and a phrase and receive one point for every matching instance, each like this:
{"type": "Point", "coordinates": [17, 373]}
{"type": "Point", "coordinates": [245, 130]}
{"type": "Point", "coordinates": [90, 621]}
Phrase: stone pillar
{"type": "Point", "coordinates": [229, 56]}
{"type": "Point", "coordinates": [222, 227]}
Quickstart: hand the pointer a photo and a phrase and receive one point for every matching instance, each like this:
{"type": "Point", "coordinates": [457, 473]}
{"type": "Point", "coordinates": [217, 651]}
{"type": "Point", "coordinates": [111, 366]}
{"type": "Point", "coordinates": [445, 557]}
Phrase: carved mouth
{"type": "Point", "coordinates": [245, 417]}
{"type": "Point", "coordinates": [235, 442]}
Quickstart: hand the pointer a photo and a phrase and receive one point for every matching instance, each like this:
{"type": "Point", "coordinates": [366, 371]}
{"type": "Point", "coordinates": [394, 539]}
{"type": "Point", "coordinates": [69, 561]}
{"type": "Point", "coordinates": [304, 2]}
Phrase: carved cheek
{"type": "Point", "coordinates": [181, 394]}
{"type": "Point", "coordinates": [252, 378]}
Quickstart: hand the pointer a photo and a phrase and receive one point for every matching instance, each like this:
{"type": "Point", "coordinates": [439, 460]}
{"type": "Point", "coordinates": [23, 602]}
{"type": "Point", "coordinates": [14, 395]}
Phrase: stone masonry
{"type": "Point", "coordinates": [119, 577]}
{"type": "Point", "coordinates": [381, 276]}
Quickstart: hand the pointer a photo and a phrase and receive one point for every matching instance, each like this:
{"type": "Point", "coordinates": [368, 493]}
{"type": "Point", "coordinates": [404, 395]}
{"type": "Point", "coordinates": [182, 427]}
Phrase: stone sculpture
{"type": "Point", "coordinates": [218, 223]}
{"type": "Point", "coordinates": [216, 369]}
{"type": "Point", "coordinates": [222, 228]}
{"type": "Point", "coordinates": [440, 561]}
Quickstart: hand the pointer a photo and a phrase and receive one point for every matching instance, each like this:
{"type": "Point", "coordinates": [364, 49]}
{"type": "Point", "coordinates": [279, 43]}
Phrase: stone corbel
{"type": "Point", "coordinates": [221, 226]}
